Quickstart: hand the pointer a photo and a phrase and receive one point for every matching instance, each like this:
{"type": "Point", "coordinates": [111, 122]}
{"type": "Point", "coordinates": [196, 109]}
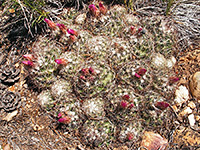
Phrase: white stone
{"type": "Point", "coordinates": [191, 120]}
{"type": "Point", "coordinates": [192, 105]}
{"type": "Point", "coordinates": [186, 111]}
{"type": "Point", "coordinates": [182, 95]}
{"type": "Point", "coordinates": [10, 115]}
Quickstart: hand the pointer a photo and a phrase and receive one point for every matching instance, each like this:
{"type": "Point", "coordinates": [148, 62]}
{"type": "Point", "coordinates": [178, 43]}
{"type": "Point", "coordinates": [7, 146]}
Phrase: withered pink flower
{"type": "Point", "coordinates": [65, 120]}
{"type": "Point", "coordinates": [130, 136]}
{"type": "Point", "coordinates": [62, 27]}
{"type": "Point", "coordinates": [173, 80]}
{"type": "Point", "coordinates": [61, 61]}
{"type": "Point", "coordinates": [29, 57]}
{"type": "Point", "coordinates": [28, 63]}
{"type": "Point", "coordinates": [102, 8]}
{"type": "Point", "coordinates": [72, 32]}
{"type": "Point", "coordinates": [137, 75]}
{"type": "Point", "coordinates": [60, 115]}
{"type": "Point", "coordinates": [141, 71]}
{"type": "Point", "coordinates": [72, 38]}
{"type": "Point", "coordinates": [50, 23]}
{"type": "Point", "coordinates": [123, 104]}
{"type": "Point", "coordinates": [139, 30]}
{"type": "Point", "coordinates": [82, 77]}
{"type": "Point", "coordinates": [94, 10]}
{"type": "Point", "coordinates": [133, 30]}
{"type": "Point", "coordinates": [85, 71]}
{"type": "Point", "coordinates": [162, 105]}
{"type": "Point", "coordinates": [126, 97]}
{"type": "Point", "coordinates": [91, 70]}
{"type": "Point", "coordinates": [131, 106]}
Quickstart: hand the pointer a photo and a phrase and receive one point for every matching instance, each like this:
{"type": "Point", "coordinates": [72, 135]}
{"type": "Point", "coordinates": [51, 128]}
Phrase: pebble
{"type": "Point", "coordinates": [192, 105]}
{"type": "Point", "coordinates": [182, 95]}
{"type": "Point", "coordinates": [10, 115]}
{"type": "Point", "coordinates": [197, 118]}
{"type": "Point", "coordinates": [195, 85]}
{"type": "Point", "coordinates": [175, 108]}
{"type": "Point", "coordinates": [185, 111]}
{"type": "Point", "coordinates": [191, 119]}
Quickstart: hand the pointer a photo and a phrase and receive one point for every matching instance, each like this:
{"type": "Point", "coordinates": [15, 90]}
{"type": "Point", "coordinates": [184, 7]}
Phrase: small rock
{"type": "Point", "coordinates": [11, 115]}
{"type": "Point", "coordinates": [197, 118]}
{"type": "Point", "coordinates": [175, 108]}
{"type": "Point", "coordinates": [80, 19]}
{"type": "Point", "coordinates": [182, 95]}
{"type": "Point", "coordinates": [185, 111]}
{"type": "Point", "coordinates": [192, 105]}
{"type": "Point", "coordinates": [191, 119]}
{"type": "Point", "coordinates": [195, 85]}
{"type": "Point", "coordinates": [153, 141]}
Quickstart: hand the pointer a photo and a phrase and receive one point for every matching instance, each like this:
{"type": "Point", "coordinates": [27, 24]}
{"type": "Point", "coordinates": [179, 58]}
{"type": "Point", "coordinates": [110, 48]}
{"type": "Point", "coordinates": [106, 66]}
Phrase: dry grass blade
{"type": "Point", "coordinates": [186, 15]}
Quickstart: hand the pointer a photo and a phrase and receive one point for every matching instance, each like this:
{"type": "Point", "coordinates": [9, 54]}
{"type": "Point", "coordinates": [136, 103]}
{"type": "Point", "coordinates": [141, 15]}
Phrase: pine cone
{"type": "Point", "coordinates": [9, 74]}
{"type": "Point", "coordinates": [10, 101]}
{"type": "Point", "coordinates": [2, 89]}
{"type": "Point", "coordinates": [195, 85]}
{"type": "Point", "coordinates": [2, 58]}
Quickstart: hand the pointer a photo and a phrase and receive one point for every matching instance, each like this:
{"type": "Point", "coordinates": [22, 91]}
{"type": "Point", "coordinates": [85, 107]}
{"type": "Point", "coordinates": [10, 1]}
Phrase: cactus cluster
{"type": "Point", "coordinates": [104, 72]}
